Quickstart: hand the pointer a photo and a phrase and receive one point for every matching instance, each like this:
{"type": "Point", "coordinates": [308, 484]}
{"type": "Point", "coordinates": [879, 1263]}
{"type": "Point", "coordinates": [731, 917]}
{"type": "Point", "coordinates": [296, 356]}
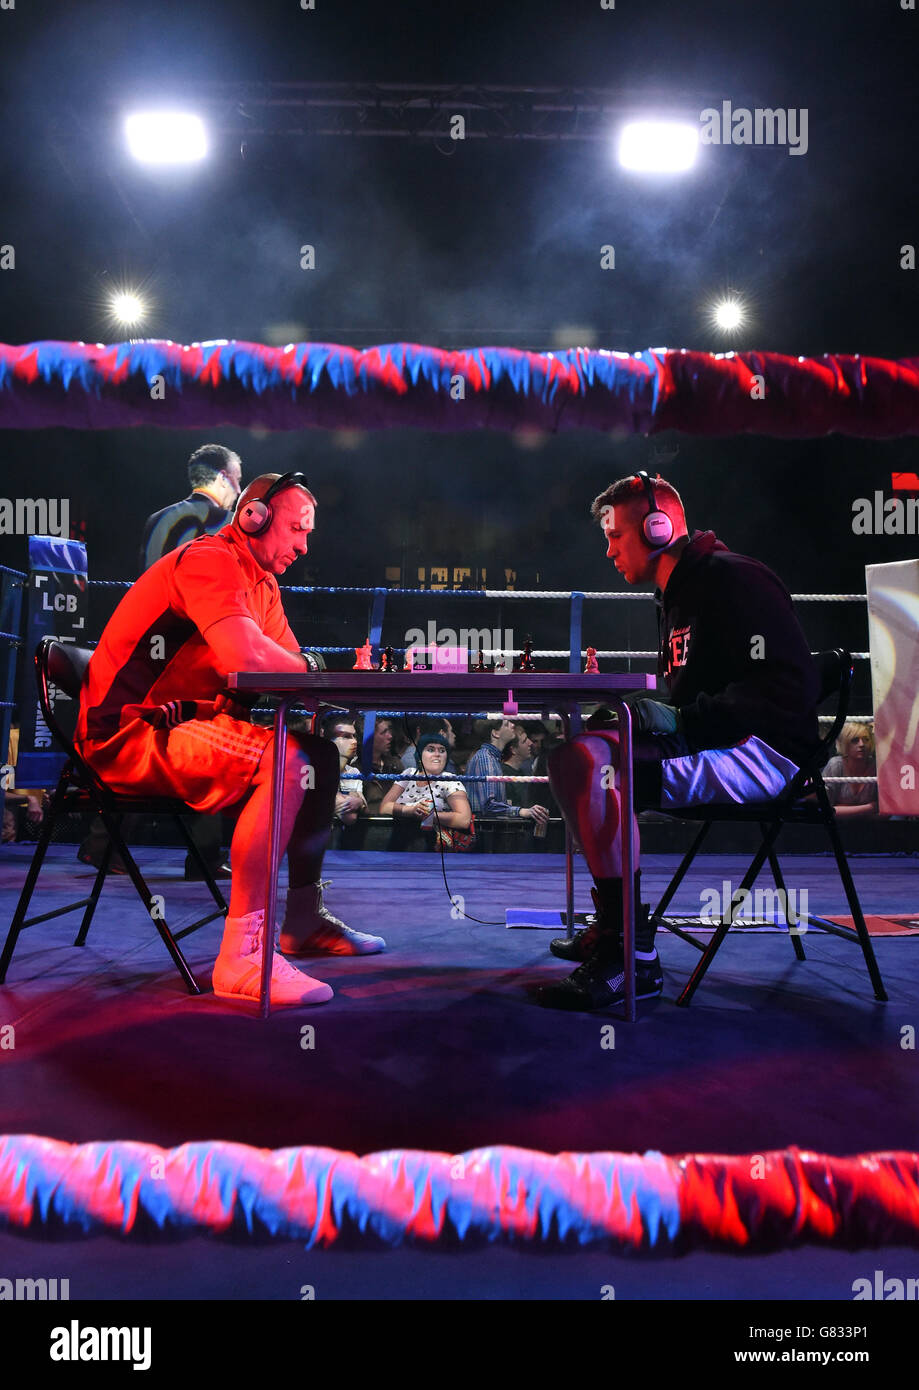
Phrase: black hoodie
{"type": "Point", "coordinates": [733, 654]}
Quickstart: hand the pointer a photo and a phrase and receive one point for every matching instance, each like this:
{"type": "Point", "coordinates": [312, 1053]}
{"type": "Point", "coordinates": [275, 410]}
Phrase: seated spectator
{"type": "Point", "coordinates": [413, 800]}
{"type": "Point", "coordinates": [384, 761]}
{"type": "Point", "coordinates": [407, 733]}
{"type": "Point", "coordinates": [516, 763]}
{"type": "Point", "coordinates": [855, 749]}
{"type": "Point", "coordinates": [349, 801]}
{"type": "Point", "coordinates": [486, 798]}
{"type": "Point", "coordinates": [432, 724]}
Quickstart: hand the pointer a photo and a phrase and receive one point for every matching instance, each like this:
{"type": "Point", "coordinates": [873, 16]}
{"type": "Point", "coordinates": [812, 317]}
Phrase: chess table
{"type": "Point", "coordinates": [546, 693]}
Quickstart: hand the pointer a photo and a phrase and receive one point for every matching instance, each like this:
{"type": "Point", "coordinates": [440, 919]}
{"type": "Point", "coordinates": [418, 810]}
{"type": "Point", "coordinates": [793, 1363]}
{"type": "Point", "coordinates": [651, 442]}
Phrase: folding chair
{"type": "Point", "coordinates": [81, 789]}
{"type": "Point", "coordinates": [835, 670]}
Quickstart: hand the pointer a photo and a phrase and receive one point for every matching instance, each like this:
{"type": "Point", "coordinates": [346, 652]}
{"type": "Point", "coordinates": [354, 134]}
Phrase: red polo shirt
{"type": "Point", "coordinates": [154, 646]}
{"type": "Point", "coordinates": [154, 650]}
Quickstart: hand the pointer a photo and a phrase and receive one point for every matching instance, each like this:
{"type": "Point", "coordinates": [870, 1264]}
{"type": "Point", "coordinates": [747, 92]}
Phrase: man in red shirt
{"type": "Point", "coordinates": [155, 720]}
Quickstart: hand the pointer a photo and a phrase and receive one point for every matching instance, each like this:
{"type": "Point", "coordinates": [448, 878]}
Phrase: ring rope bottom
{"type": "Point", "coordinates": [642, 1203]}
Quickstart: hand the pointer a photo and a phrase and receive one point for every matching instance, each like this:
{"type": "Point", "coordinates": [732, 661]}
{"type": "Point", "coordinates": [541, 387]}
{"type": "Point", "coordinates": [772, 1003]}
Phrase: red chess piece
{"type": "Point", "coordinates": [364, 657]}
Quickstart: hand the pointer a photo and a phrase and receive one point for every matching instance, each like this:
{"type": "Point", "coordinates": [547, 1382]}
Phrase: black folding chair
{"type": "Point", "coordinates": [804, 802]}
{"type": "Point", "coordinates": [81, 789]}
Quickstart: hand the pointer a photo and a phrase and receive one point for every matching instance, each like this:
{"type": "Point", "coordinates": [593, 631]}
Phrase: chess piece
{"type": "Point", "coordinates": [591, 669]}
{"type": "Point", "coordinates": [526, 661]}
{"type": "Point", "coordinates": [364, 657]}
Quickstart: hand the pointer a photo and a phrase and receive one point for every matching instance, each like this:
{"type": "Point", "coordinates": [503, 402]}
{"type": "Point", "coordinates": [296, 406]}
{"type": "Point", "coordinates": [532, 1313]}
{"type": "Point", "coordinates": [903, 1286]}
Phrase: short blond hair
{"type": "Point", "coordinates": [849, 730]}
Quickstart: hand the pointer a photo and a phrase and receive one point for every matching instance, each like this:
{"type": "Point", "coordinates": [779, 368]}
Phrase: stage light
{"type": "Point", "coordinates": [166, 137]}
{"type": "Point", "coordinates": [728, 315]}
{"type": "Point", "coordinates": [127, 308]}
{"type": "Point", "coordinates": [658, 147]}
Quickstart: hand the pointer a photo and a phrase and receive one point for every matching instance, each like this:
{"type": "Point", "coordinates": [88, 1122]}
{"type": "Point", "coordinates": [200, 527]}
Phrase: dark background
{"type": "Point", "coordinates": [470, 243]}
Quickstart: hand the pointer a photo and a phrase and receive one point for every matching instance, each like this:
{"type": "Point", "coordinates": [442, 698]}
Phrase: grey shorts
{"type": "Point", "coordinates": [668, 775]}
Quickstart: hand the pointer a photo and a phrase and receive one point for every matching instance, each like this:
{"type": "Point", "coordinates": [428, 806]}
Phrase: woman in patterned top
{"type": "Point", "coordinates": [415, 797]}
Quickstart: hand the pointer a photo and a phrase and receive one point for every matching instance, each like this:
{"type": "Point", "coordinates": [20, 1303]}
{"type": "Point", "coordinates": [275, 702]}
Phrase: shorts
{"type": "Point", "coordinates": [208, 763]}
{"type": "Point", "coordinates": [668, 775]}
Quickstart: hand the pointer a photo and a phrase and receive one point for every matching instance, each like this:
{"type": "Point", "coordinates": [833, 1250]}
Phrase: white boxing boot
{"type": "Point", "coordinates": [238, 968]}
{"type": "Point", "coordinates": [310, 930]}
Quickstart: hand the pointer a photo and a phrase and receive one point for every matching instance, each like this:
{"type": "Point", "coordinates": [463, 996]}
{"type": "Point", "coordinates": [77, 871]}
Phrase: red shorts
{"type": "Point", "coordinates": [208, 763]}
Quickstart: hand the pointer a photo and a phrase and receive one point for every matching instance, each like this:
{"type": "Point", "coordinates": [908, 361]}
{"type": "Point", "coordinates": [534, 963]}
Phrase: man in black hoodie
{"type": "Point", "coordinates": [741, 714]}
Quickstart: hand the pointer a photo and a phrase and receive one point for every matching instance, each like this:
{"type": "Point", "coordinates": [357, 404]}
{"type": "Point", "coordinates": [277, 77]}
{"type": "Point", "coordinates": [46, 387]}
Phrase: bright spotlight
{"type": "Point", "coordinates": [658, 147]}
{"type": "Point", "coordinates": [165, 137]}
{"type": "Point", "coordinates": [127, 308]}
{"type": "Point", "coordinates": [728, 315]}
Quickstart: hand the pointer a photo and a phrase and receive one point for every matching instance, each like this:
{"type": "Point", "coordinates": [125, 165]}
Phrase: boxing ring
{"type": "Point", "coordinates": [646, 1202]}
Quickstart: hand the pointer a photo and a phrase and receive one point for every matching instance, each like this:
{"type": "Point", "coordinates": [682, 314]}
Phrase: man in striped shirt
{"type": "Point", "coordinates": [485, 797]}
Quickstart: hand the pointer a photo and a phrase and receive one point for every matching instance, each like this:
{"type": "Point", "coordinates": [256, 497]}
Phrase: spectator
{"type": "Point", "coordinates": [855, 749]}
{"type": "Point", "coordinates": [484, 797]}
{"type": "Point", "coordinates": [413, 800]}
{"type": "Point", "coordinates": [409, 731]}
{"type": "Point", "coordinates": [516, 763]}
{"type": "Point", "coordinates": [522, 732]}
{"type": "Point", "coordinates": [542, 743]}
{"type": "Point", "coordinates": [432, 724]}
{"type": "Point", "coordinates": [384, 761]}
{"type": "Point", "coordinates": [349, 801]}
